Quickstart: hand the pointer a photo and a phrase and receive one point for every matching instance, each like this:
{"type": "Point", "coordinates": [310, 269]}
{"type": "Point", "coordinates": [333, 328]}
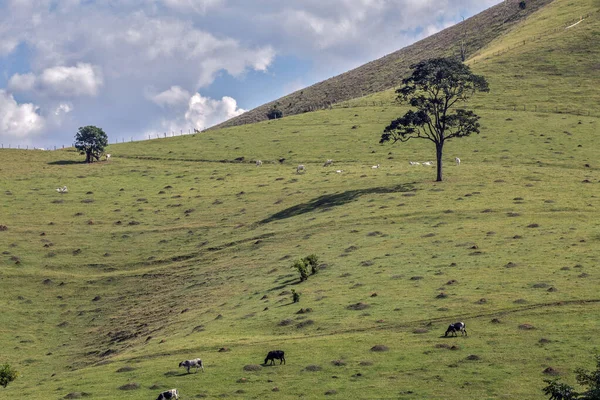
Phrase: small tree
{"type": "Point", "coordinates": [7, 375]}
{"type": "Point", "coordinates": [91, 141]}
{"type": "Point", "coordinates": [522, 5]}
{"type": "Point", "coordinates": [435, 87]}
{"type": "Point", "coordinates": [302, 268]}
{"type": "Point", "coordinates": [561, 391]}
{"type": "Point", "coordinates": [275, 113]}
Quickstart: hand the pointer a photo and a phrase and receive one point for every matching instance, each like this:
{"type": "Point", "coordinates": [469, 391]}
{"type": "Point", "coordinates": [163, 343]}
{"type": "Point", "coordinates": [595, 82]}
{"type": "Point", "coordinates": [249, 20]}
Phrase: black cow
{"type": "Point", "coordinates": [456, 327]}
{"type": "Point", "coordinates": [275, 355]}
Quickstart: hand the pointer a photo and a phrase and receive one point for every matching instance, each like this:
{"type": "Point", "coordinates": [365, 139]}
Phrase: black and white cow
{"type": "Point", "coordinates": [456, 327]}
{"type": "Point", "coordinates": [275, 355]}
{"type": "Point", "coordinates": [169, 394]}
{"type": "Point", "coordinates": [192, 363]}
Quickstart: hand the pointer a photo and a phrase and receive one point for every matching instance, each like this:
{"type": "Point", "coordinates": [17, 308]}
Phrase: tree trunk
{"type": "Point", "coordinates": [88, 157]}
{"type": "Point", "coordinates": [439, 147]}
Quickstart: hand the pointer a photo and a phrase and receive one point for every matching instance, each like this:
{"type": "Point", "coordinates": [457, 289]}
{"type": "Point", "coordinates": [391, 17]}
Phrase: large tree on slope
{"type": "Point", "coordinates": [91, 141]}
{"type": "Point", "coordinates": [434, 90]}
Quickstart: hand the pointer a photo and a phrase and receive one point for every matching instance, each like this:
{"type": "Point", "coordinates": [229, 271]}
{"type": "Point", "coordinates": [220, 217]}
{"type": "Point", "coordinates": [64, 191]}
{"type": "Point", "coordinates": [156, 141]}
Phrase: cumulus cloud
{"type": "Point", "coordinates": [204, 112]}
{"type": "Point", "coordinates": [80, 80]}
{"type": "Point", "coordinates": [172, 97]}
{"type": "Point", "coordinates": [63, 108]}
{"type": "Point", "coordinates": [18, 120]}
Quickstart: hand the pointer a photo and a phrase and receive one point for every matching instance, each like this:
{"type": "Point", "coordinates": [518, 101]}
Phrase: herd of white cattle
{"type": "Point", "coordinates": [301, 168]}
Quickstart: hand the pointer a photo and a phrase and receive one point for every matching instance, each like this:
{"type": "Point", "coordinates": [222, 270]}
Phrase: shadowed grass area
{"type": "Point", "coordinates": [326, 202]}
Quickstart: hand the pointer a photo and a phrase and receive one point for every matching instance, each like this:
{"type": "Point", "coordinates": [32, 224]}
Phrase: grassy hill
{"type": "Point", "coordinates": [387, 72]}
{"type": "Point", "coordinates": [179, 248]}
{"type": "Point", "coordinates": [546, 64]}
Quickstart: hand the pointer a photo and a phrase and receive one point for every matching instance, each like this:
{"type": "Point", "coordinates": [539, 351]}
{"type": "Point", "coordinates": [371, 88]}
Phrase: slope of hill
{"type": "Point", "coordinates": [548, 63]}
{"type": "Point", "coordinates": [388, 71]}
{"type": "Point", "coordinates": [181, 248]}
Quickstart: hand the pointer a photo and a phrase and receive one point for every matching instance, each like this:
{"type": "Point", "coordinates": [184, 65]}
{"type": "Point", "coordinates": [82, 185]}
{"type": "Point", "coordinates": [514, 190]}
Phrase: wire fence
{"type": "Point", "coordinates": [117, 140]}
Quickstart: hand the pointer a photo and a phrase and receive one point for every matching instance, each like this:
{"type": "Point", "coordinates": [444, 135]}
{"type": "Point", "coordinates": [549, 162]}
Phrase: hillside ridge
{"type": "Point", "coordinates": [387, 72]}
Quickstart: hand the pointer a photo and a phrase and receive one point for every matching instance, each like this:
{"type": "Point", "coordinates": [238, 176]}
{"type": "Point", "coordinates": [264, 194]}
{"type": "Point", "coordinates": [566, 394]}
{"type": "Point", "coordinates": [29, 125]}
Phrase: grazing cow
{"type": "Point", "coordinates": [300, 167]}
{"type": "Point", "coordinates": [456, 327]}
{"type": "Point", "coordinates": [375, 166]}
{"type": "Point", "coordinates": [414, 163]}
{"type": "Point", "coordinates": [169, 394]}
{"type": "Point", "coordinates": [428, 163]}
{"type": "Point", "coordinates": [107, 157]}
{"type": "Point", "coordinates": [62, 190]}
{"type": "Point", "coordinates": [339, 171]}
{"type": "Point", "coordinates": [328, 163]}
{"type": "Point", "coordinates": [258, 163]}
{"type": "Point", "coordinates": [192, 363]}
{"type": "Point", "coordinates": [275, 355]}
{"type": "Point", "coordinates": [457, 161]}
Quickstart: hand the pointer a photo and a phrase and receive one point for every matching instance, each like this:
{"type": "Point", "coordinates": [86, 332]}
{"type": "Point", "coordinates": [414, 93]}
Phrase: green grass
{"type": "Point", "coordinates": [392, 231]}
{"type": "Point", "coordinates": [538, 65]}
{"type": "Point", "coordinates": [174, 249]}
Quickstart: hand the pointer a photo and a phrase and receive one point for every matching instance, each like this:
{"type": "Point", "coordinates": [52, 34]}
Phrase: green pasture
{"type": "Point", "coordinates": [178, 248]}
{"type": "Point", "coordinates": [174, 249]}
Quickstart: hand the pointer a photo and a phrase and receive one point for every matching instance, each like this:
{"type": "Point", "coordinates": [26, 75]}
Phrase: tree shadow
{"type": "Point", "coordinates": [329, 201]}
{"type": "Point", "coordinates": [66, 162]}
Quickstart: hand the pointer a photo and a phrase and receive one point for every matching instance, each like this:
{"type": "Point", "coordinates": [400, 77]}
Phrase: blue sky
{"type": "Point", "coordinates": [138, 68]}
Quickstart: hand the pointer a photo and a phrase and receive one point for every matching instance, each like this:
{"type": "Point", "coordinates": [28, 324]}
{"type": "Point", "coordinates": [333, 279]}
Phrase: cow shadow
{"type": "Point", "coordinates": [328, 201]}
{"type": "Point", "coordinates": [66, 162]}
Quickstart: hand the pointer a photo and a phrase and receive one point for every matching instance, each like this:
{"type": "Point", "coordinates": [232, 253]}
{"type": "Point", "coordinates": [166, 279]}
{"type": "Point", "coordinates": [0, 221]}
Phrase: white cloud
{"type": "Point", "coordinates": [172, 97]}
{"type": "Point", "coordinates": [81, 80]}
{"type": "Point", "coordinates": [63, 108]}
{"type": "Point", "coordinates": [18, 120]}
{"type": "Point", "coordinates": [204, 112]}
{"type": "Point", "coordinates": [198, 6]}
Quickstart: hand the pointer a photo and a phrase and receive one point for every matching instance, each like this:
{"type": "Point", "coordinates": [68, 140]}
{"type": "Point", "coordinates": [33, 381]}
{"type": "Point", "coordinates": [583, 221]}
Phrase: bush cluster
{"type": "Point", "coordinates": [307, 266]}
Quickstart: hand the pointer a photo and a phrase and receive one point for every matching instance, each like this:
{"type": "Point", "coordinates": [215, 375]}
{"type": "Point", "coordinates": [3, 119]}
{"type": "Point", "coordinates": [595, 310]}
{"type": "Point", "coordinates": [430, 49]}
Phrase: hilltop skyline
{"type": "Point", "coordinates": [140, 68]}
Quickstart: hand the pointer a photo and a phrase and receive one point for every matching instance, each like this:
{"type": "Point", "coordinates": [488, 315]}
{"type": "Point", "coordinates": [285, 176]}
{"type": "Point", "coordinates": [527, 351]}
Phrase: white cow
{"type": "Point", "coordinates": [169, 394]}
{"type": "Point", "coordinates": [456, 327]}
{"type": "Point", "coordinates": [62, 189]}
{"type": "Point", "coordinates": [300, 167]}
{"type": "Point", "coordinates": [414, 163]}
{"type": "Point", "coordinates": [107, 157]}
{"type": "Point", "coordinates": [258, 163]}
{"type": "Point", "coordinates": [328, 163]}
{"type": "Point", "coordinates": [192, 363]}
{"type": "Point", "coordinates": [457, 161]}
{"type": "Point", "coordinates": [428, 163]}
{"type": "Point", "coordinates": [375, 166]}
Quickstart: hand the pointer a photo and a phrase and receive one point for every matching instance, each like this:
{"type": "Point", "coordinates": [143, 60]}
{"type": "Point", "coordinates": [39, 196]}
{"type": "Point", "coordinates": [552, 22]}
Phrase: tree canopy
{"type": "Point", "coordinates": [91, 141]}
{"type": "Point", "coordinates": [434, 89]}
{"type": "Point", "coordinates": [562, 391]}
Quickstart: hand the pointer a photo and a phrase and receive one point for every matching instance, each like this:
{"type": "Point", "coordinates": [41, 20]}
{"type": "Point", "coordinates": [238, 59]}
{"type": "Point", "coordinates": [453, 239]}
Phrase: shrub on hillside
{"type": "Point", "coordinates": [7, 375]}
{"type": "Point", "coordinates": [275, 113]}
{"type": "Point", "coordinates": [302, 268]}
{"type": "Point", "coordinates": [312, 261]}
